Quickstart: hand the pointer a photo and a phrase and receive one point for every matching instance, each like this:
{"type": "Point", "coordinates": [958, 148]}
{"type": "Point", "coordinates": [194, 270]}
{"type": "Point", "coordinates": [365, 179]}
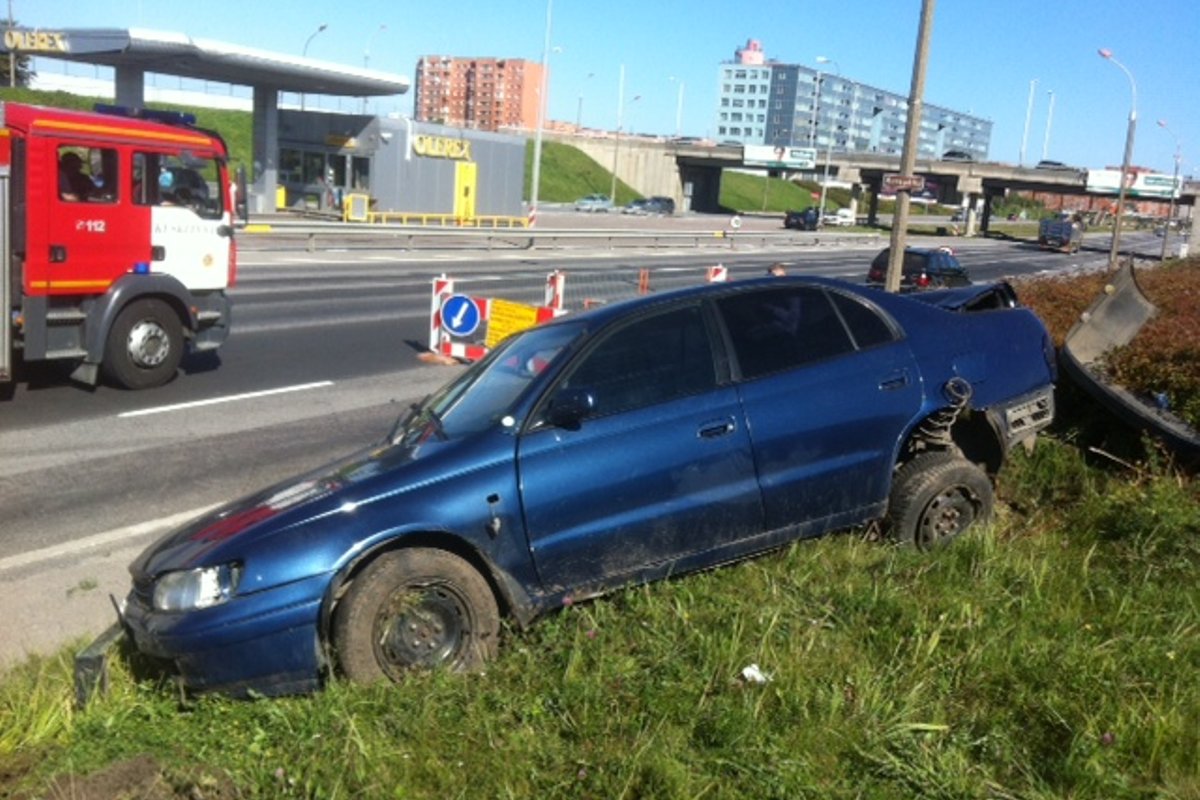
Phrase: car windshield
{"type": "Point", "coordinates": [485, 393]}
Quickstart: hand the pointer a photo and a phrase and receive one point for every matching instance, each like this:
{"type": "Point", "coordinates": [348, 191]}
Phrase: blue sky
{"type": "Point", "coordinates": [983, 55]}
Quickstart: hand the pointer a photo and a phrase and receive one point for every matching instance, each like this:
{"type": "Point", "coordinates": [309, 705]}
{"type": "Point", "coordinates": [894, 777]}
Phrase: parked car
{"type": "Point", "coordinates": [637, 206]}
{"type": "Point", "coordinates": [957, 155]}
{"type": "Point", "coordinates": [639, 440]}
{"type": "Point", "coordinates": [594, 202]}
{"type": "Point", "coordinates": [806, 220]}
{"type": "Point", "coordinates": [841, 218]}
{"type": "Point", "coordinates": [658, 204]}
{"type": "Point", "coordinates": [923, 268]}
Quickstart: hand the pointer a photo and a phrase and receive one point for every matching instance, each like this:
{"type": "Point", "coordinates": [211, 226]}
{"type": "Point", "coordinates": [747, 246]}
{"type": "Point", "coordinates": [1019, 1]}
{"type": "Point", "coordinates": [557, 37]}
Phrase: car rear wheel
{"type": "Point", "coordinates": [415, 609]}
{"type": "Point", "coordinates": [936, 497]}
{"type": "Point", "coordinates": [144, 345]}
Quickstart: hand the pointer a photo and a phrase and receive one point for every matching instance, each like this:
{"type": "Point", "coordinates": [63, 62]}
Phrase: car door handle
{"type": "Point", "coordinates": [894, 380]}
{"type": "Point", "coordinates": [711, 430]}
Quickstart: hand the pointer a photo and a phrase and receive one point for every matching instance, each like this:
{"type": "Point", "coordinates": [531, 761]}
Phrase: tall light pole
{"type": "Point", "coordinates": [367, 55]}
{"type": "Point", "coordinates": [541, 117]}
{"type": "Point", "coordinates": [367, 49]}
{"type": "Point", "coordinates": [1115, 251]}
{"type": "Point", "coordinates": [1162, 123]}
{"type": "Point", "coordinates": [617, 145]}
{"type": "Point", "coordinates": [829, 146]}
{"type": "Point", "coordinates": [579, 109]}
{"type": "Point", "coordinates": [678, 106]}
{"type": "Point", "coordinates": [1028, 115]}
{"type": "Point", "coordinates": [304, 52]}
{"type": "Point", "coordinates": [1049, 120]}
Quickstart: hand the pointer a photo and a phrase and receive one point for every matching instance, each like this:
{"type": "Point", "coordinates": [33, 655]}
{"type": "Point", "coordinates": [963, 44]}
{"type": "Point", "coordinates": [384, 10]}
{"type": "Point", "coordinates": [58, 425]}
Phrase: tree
{"type": "Point", "coordinates": [17, 63]}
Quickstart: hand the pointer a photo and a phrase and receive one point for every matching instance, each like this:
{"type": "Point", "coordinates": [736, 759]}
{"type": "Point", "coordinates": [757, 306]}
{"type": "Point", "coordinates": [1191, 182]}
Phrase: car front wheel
{"type": "Point", "coordinates": [415, 609]}
{"type": "Point", "coordinates": [935, 497]}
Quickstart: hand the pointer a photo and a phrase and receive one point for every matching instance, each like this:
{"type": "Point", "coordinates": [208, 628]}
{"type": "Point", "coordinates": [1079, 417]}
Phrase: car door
{"type": "Point", "coordinates": [659, 469]}
{"type": "Point", "coordinates": [828, 386]}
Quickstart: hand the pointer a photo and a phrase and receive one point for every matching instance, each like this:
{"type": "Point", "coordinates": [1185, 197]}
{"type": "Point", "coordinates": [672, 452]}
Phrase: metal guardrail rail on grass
{"type": "Point", "coordinates": [322, 235]}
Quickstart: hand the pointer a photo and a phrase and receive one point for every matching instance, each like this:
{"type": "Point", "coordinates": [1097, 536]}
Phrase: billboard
{"type": "Point", "coordinates": [1143, 184]}
{"type": "Point", "coordinates": [764, 155]}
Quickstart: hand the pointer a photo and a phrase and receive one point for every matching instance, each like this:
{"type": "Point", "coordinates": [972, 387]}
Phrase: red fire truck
{"type": "Point", "coordinates": [116, 241]}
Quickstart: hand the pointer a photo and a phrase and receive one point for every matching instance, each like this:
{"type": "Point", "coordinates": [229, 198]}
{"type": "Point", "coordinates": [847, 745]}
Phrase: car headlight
{"type": "Point", "coordinates": [196, 588]}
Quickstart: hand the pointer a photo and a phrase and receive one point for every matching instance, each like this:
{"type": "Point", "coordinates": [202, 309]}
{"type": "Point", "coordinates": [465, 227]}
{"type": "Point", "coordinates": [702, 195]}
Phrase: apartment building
{"type": "Point", "coordinates": [487, 94]}
{"type": "Point", "coordinates": [760, 101]}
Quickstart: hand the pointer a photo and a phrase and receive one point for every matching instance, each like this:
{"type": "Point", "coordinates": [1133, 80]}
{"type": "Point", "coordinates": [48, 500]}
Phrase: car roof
{"type": "Point", "coordinates": [602, 315]}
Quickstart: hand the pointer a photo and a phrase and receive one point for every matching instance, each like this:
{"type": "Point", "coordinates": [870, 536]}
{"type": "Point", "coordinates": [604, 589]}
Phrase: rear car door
{"type": "Point", "coordinates": [661, 468]}
{"type": "Point", "coordinates": [828, 385]}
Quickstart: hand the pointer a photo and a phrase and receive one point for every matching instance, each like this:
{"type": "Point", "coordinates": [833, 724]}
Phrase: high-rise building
{"type": "Point", "coordinates": [482, 93]}
{"type": "Point", "coordinates": [760, 101]}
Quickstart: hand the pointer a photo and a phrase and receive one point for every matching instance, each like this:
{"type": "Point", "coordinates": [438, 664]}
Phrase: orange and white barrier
{"type": "Point", "coordinates": [465, 328]}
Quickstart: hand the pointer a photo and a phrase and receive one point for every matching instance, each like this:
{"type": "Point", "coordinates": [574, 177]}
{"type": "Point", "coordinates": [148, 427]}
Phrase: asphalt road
{"type": "Point", "coordinates": [322, 359]}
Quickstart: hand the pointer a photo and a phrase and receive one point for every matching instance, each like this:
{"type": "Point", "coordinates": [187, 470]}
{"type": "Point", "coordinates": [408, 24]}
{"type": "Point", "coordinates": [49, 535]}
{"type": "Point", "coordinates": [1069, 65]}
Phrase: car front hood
{"type": "Point", "coordinates": [220, 535]}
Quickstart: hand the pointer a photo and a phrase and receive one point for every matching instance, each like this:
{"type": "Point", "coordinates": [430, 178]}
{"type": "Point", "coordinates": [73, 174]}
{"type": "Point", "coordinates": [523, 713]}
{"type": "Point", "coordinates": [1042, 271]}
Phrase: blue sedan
{"type": "Point", "coordinates": [665, 434]}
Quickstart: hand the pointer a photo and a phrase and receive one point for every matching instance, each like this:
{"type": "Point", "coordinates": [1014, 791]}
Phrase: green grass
{"type": "Point", "coordinates": [1052, 655]}
{"type": "Point", "coordinates": [234, 126]}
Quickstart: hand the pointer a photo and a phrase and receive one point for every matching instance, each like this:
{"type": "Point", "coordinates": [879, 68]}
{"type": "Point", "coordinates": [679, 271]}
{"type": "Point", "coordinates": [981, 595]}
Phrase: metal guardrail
{"type": "Point", "coordinates": [323, 235]}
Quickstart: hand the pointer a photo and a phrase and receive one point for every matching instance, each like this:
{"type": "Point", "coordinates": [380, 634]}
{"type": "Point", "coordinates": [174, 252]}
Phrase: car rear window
{"type": "Point", "coordinates": [866, 325]}
{"type": "Point", "coordinates": [781, 328]}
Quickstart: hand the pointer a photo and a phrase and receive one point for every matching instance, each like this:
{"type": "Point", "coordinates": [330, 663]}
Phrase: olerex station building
{"type": "Point", "coordinates": [307, 159]}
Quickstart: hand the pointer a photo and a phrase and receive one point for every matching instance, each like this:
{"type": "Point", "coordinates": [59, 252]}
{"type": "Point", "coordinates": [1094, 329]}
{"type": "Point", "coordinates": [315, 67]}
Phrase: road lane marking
{"type": "Point", "coordinates": [115, 536]}
{"type": "Point", "coordinates": [227, 399]}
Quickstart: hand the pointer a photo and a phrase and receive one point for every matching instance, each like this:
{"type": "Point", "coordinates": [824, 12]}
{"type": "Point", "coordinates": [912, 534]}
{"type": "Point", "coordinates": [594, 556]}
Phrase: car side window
{"type": "Point", "coordinates": [781, 328]}
{"type": "Point", "coordinates": [651, 360]}
{"type": "Point", "coordinates": [866, 325]}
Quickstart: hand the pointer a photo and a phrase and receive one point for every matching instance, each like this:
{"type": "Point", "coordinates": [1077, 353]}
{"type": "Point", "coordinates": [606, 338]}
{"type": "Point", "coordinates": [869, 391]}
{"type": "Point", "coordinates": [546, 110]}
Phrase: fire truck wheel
{"type": "Point", "coordinates": [144, 345]}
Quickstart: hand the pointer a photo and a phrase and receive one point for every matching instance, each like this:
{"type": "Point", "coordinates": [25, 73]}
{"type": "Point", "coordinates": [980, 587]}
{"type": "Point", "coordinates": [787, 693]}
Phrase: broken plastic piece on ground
{"type": "Point", "coordinates": [752, 674]}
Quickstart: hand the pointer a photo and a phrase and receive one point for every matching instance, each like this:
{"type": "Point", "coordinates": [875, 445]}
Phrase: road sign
{"type": "Point", "coordinates": [894, 182]}
{"type": "Point", "coordinates": [460, 315]}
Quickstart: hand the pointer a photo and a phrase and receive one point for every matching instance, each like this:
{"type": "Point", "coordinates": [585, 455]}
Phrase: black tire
{"type": "Point", "coordinates": [415, 609]}
{"type": "Point", "coordinates": [144, 345]}
{"type": "Point", "coordinates": [936, 497]}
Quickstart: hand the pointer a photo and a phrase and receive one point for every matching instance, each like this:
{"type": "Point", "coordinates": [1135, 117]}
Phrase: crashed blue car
{"type": "Point", "coordinates": [643, 439]}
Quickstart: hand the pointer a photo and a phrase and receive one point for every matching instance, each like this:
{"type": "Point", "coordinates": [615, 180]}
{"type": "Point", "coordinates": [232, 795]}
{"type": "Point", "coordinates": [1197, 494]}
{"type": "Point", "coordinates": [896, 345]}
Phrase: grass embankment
{"type": "Point", "coordinates": [1052, 655]}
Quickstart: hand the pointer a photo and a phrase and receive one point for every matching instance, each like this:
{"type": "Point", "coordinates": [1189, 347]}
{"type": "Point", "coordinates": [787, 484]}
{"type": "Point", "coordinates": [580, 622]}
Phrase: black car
{"type": "Point", "coordinates": [924, 268]}
{"type": "Point", "coordinates": [660, 205]}
{"type": "Point", "coordinates": [806, 220]}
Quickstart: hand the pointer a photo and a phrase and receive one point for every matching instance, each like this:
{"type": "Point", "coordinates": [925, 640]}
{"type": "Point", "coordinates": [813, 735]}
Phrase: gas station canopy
{"type": "Point", "coordinates": [178, 54]}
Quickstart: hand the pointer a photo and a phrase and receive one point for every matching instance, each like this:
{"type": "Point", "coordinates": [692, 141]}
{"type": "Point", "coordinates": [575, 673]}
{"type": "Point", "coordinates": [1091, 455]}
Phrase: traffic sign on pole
{"type": "Point", "coordinates": [894, 182]}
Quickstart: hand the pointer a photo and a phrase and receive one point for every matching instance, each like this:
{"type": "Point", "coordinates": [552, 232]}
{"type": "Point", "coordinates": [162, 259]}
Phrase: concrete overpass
{"type": "Point", "coordinates": [691, 173]}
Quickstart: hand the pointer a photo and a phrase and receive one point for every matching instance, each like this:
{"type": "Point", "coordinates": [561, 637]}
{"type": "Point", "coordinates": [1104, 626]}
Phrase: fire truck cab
{"type": "Point", "coordinates": [116, 241]}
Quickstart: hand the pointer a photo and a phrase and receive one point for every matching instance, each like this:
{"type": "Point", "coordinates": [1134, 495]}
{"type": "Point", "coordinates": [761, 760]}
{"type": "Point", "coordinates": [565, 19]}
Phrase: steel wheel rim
{"type": "Point", "coordinates": [948, 514]}
{"type": "Point", "coordinates": [420, 627]}
{"type": "Point", "coordinates": [148, 344]}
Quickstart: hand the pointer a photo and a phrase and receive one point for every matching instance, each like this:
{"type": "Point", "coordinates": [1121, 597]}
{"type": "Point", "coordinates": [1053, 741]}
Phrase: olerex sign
{"type": "Point", "coordinates": [1137, 184]}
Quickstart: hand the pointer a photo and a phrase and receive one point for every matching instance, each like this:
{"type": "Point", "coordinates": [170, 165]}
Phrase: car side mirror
{"type": "Point", "coordinates": [570, 407]}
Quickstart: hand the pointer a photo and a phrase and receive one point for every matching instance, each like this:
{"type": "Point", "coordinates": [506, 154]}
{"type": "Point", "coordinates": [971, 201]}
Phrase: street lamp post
{"type": "Point", "coordinates": [1115, 250]}
{"type": "Point", "coordinates": [304, 52]}
{"type": "Point", "coordinates": [829, 145]}
{"type": "Point", "coordinates": [1162, 123]}
{"type": "Point", "coordinates": [541, 117]}
{"type": "Point", "coordinates": [367, 55]}
{"type": "Point", "coordinates": [1028, 115]}
{"type": "Point", "coordinates": [678, 107]}
{"type": "Point", "coordinates": [579, 109]}
{"type": "Point", "coordinates": [1049, 120]}
{"type": "Point", "coordinates": [617, 145]}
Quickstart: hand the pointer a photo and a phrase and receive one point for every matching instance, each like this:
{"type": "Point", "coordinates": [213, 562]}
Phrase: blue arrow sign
{"type": "Point", "coordinates": [460, 315]}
